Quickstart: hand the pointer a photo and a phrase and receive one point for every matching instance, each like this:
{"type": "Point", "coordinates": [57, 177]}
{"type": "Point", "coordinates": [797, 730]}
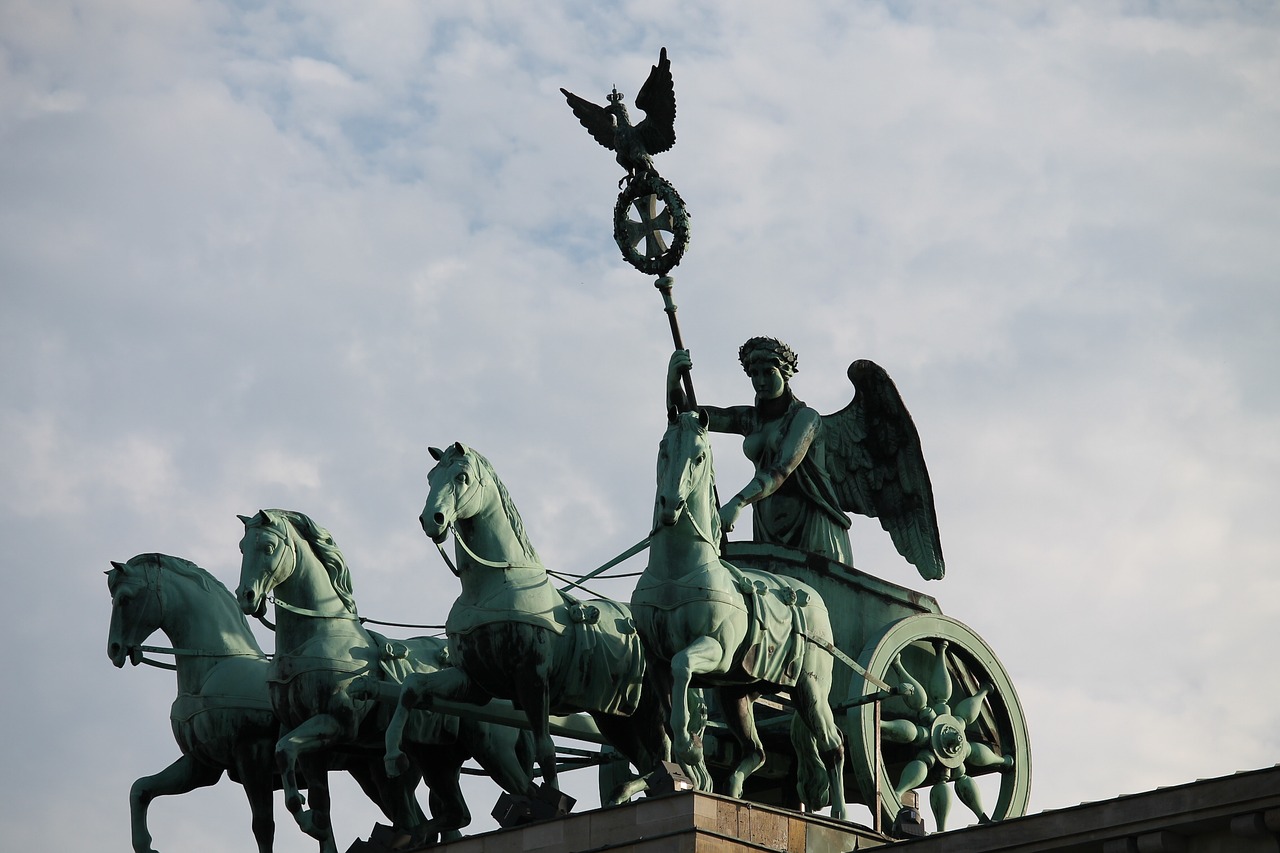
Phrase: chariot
{"type": "Point", "coordinates": [922, 701]}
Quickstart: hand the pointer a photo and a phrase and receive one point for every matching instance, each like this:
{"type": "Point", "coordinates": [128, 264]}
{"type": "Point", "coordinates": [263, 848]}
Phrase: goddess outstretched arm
{"type": "Point", "coordinates": [772, 472]}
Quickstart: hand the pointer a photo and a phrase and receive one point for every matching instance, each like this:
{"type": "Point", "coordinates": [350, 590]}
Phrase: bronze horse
{"type": "Point", "coordinates": [514, 636]}
{"type": "Point", "coordinates": [322, 649]}
{"type": "Point", "coordinates": [742, 632]}
{"type": "Point", "coordinates": [221, 718]}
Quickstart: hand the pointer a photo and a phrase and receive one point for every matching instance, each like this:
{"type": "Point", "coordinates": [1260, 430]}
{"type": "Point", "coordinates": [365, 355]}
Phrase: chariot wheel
{"type": "Point", "coordinates": [958, 730]}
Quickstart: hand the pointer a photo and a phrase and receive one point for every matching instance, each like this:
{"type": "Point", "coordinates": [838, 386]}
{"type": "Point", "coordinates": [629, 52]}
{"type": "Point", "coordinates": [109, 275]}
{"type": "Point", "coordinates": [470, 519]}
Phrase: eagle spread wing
{"type": "Point", "coordinates": [657, 98]}
{"type": "Point", "coordinates": [610, 126]}
{"type": "Point", "coordinates": [595, 118]}
{"type": "Point", "coordinates": [878, 470]}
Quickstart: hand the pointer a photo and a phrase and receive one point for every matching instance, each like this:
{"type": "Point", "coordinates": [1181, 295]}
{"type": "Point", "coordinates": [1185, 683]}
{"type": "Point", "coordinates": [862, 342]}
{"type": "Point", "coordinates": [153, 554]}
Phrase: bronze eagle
{"type": "Point", "coordinates": [634, 145]}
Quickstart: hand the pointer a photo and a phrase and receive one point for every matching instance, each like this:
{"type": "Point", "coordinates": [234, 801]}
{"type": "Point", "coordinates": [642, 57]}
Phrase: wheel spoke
{"type": "Point", "coordinates": [903, 731]}
{"type": "Point", "coordinates": [916, 771]}
{"type": "Point", "coordinates": [969, 709]}
{"type": "Point", "coordinates": [967, 791]}
{"type": "Point", "coordinates": [916, 699]}
{"type": "Point", "coordinates": [940, 684]}
{"type": "Point", "coordinates": [940, 803]}
{"type": "Point", "coordinates": [981, 755]}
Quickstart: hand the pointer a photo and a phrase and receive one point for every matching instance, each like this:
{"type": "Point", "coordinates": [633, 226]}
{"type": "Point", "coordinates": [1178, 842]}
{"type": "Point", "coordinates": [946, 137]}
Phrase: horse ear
{"type": "Point", "coordinates": [436, 453]}
{"type": "Point", "coordinates": [247, 521]}
{"type": "Point", "coordinates": [462, 451]}
{"type": "Point", "coordinates": [704, 420]}
{"type": "Point", "coordinates": [119, 566]}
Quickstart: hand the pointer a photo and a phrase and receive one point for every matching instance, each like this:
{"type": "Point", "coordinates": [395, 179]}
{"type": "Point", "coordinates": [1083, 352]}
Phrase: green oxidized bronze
{"type": "Point", "coordinates": [655, 240]}
{"type": "Point", "coordinates": [868, 677]}
{"type": "Point", "coordinates": [811, 469]}
{"type": "Point", "coordinates": [222, 717]}
{"type": "Point", "coordinates": [513, 635]}
{"type": "Point", "coordinates": [707, 623]}
{"type": "Point", "coordinates": [323, 653]}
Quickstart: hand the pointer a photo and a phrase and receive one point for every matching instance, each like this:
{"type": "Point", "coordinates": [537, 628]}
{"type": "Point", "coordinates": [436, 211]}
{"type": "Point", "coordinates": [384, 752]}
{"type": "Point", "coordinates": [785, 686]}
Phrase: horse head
{"type": "Point", "coordinates": [684, 467]}
{"type": "Point", "coordinates": [136, 607]}
{"type": "Point", "coordinates": [268, 558]}
{"type": "Point", "coordinates": [454, 481]}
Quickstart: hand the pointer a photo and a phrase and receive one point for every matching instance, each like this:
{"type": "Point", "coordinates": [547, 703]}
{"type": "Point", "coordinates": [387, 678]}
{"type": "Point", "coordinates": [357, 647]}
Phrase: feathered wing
{"type": "Point", "coordinates": [657, 98]}
{"type": "Point", "coordinates": [878, 470]}
{"type": "Point", "coordinates": [595, 118]}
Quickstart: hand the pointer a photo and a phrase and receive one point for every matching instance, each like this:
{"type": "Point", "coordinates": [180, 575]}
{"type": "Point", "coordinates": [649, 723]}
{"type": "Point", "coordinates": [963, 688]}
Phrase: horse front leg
{"type": "Point", "coordinates": [702, 656]}
{"type": "Point", "coordinates": [316, 734]}
{"type": "Point", "coordinates": [184, 775]}
{"type": "Point", "coordinates": [535, 698]}
{"type": "Point", "coordinates": [417, 691]}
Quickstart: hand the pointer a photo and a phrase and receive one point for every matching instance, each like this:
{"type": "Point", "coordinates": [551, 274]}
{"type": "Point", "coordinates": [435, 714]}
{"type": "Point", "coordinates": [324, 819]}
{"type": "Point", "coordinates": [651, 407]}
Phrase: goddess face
{"type": "Point", "coordinates": [766, 378]}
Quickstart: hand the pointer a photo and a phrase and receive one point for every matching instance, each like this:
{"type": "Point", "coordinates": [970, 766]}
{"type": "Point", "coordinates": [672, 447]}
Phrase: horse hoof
{"type": "Point", "coordinates": [396, 764]}
{"type": "Point", "coordinates": [307, 823]}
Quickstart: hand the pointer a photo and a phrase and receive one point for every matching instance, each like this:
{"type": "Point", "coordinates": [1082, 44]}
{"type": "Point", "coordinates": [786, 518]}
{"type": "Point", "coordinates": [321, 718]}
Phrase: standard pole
{"type": "Point", "coordinates": [664, 285]}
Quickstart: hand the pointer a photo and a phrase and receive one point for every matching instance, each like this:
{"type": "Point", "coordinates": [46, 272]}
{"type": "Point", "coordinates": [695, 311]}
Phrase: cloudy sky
{"type": "Point", "coordinates": [263, 255]}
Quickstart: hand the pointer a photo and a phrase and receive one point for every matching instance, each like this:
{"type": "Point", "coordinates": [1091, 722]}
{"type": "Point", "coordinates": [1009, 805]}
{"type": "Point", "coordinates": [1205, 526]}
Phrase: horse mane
{"type": "Point", "coordinates": [504, 497]}
{"type": "Point", "coordinates": [324, 548]}
{"type": "Point", "coordinates": [191, 572]}
{"type": "Point", "coordinates": [685, 422]}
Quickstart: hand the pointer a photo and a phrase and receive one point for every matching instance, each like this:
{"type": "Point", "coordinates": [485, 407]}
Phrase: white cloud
{"type": "Point", "coordinates": [264, 257]}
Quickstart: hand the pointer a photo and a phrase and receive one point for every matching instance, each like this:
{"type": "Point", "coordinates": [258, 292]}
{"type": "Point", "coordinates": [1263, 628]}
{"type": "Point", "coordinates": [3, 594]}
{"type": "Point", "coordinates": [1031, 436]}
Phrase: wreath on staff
{"type": "Point", "coordinates": [659, 211]}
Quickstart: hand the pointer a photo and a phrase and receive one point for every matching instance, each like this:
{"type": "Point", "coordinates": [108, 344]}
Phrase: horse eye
{"type": "Point", "coordinates": [461, 479]}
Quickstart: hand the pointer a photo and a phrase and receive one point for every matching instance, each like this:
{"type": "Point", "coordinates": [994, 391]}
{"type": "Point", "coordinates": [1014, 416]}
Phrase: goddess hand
{"type": "Point", "coordinates": [729, 514]}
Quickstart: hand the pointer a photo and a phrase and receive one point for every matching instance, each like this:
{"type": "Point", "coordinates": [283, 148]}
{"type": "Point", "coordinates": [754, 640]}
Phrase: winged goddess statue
{"type": "Point", "coordinates": [811, 469]}
{"type": "Point", "coordinates": [880, 470]}
{"type": "Point", "coordinates": [634, 145]}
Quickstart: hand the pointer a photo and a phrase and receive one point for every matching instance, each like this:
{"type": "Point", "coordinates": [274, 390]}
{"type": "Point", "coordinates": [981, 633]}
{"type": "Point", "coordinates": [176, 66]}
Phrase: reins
{"type": "Point", "coordinates": [625, 555]}
{"type": "Point", "coordinates": [195, 653]}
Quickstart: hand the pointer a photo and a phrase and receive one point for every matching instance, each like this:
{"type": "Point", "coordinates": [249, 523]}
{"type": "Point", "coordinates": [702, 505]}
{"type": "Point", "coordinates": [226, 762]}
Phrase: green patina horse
{"type": "Point", "coordinates": [321, 650]}
{"type": "Point", "coordinates": [743, 632]}
{"type": "Point", "coordinates": [514, 636]}
{"type": "Point", "coordinates": [222, 717]}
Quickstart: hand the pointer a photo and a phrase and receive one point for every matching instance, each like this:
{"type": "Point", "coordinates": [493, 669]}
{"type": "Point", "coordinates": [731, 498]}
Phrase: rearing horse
{"type": "Point", "coordinates": [321, 650]}
{"type": "Point", "coordinates": [512, 635]}
{"type": "Point", "coordinates": [741, 631]}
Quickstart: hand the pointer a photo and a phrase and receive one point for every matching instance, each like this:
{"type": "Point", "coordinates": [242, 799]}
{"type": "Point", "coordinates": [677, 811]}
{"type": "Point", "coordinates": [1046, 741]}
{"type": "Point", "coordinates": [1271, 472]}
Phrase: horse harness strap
{"type": "Point", "coordinates": [457, 535]}
{"type": "Point", "coordinates": [302, 611]}
{"type": "Point", "coordinates": [625, 555]}
{"type": "Point", "coordinates": [199, 653]}
{"type": "Point", "coordinates": [848, 661]}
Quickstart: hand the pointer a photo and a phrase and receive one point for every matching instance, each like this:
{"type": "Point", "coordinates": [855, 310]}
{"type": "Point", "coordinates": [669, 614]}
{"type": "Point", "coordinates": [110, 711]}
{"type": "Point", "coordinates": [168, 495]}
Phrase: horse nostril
{"type": "Point", "coordinates": [438, 518]}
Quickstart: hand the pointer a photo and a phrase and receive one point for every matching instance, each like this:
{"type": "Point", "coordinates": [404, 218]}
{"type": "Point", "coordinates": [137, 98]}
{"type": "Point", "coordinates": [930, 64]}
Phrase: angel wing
{"type": "Point", "coordinates": [878, 470]}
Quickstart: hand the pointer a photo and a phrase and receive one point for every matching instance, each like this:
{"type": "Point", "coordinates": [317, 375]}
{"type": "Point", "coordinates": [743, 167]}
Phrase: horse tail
{"type": "Point", "coordinates": [812, 783]}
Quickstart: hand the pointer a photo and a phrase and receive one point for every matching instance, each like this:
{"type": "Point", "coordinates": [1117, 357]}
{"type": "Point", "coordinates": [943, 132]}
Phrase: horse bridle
{"type": "Point", "coordinates": [277, 568]}
{"type": "Point", "coordinates": [475, 482]}
{"type": "Point", "coordinates": [152, 577]}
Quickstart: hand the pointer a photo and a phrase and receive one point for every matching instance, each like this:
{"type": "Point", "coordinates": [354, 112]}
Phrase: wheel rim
{"type": "Point", "coordinates": [963, 723]}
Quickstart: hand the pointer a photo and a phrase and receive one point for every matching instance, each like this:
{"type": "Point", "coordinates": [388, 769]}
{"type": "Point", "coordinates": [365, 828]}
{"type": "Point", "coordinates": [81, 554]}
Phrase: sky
{"type": "Point", "coordinates": [265, 254]}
